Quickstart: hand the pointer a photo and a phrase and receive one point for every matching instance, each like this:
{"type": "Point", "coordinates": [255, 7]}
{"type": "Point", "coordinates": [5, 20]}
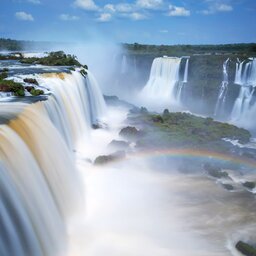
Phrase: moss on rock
{"type": "Point", "coordinates": [246, 249]}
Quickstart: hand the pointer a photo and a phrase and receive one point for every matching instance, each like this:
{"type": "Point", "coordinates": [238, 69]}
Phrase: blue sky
{"type": "Point", "coordinates": [142, 21]}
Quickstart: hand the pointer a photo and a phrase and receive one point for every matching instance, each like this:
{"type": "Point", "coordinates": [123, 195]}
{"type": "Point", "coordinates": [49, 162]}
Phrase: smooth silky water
{"type": "Point", "coordinates": [124, 208]}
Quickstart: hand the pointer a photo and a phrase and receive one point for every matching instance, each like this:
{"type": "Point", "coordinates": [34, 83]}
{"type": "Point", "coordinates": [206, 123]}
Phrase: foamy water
{"type": "Point", "coordinates": [134, 210]}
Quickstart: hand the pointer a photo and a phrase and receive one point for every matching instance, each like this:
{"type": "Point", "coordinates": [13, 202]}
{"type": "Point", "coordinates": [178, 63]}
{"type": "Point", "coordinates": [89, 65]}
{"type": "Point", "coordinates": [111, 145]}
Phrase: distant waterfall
{"type": "Point", "coordinates": [220, 105]}
{"type": "Point", "coordinates": [39, 184]}
{"type": "Point", "coordinates": [163, 79]}
{"type": "Point", "coordinates": [181, 84]}
{"type": "Point", "coordinates": [246, 78]}
{"type": "Point", "coordinates": [124, 65]}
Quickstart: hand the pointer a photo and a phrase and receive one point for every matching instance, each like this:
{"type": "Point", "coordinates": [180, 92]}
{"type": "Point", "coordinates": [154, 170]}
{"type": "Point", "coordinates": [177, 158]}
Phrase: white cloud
{"type": "Point", "coordinates": [137, 16]}
{"type": "Point", "coordinates": [104, 17]}
{"type": "Point", "coordinates": [217, 7]}
{"type": "Point", "coordinates": [86, 5]}
{"type": "Point", "coordinates": [109, 8]}
{"type": "Point", "coordinates": [149, 4]}
{"type": "Point", "coordinates": [67, 17]}
{"type": "Point", "coordinates": [124, 7]}
{"type": "Point", "coordinates": [178, 11]}
{"type": "Point", "coordinates": [224, 8]}
{"type": "Point", "coordinates": [35, 1]}
{"type": "Point", "coordinates": [24, 16]}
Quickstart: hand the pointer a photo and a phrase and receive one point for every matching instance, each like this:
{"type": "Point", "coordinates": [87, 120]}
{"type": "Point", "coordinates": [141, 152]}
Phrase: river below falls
{"type": "Point", "coordinates": [133, 210]}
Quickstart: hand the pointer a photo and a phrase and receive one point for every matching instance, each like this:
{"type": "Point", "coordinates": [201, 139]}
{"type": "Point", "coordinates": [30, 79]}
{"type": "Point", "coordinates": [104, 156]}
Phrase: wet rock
{"type": "Point", "coordinates": [29, 88]}
{"type": "Point", "coordinates": [215, 171]}
{"type": "Point", "coordinates": [105, 159]}
{"type": "Point", "coordinates": [249, 184]}
{"type": "Point", "coordinates": [157, 119]}
{"type": "Point", "coordinates": [30, 81]}
{"type": "Point", "coordinates": [130, 133]}
{"type": "Point", "coordinates": [228, 187]}
{"type": "Point", "coordinates": [246, 249]}
{"type": "Point", "coordinates": [95, 126]}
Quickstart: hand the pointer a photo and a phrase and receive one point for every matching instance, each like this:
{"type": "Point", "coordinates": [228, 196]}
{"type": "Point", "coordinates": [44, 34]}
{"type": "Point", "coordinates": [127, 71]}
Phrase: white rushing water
{"type": "Point", "coordinates": [244, 106]}
{"type": "Point", "coordinates": [40, 185]}
{"type": "Point", "coordinates": [131, 208]}
{"type": "Point", "coordinates": [182, 83]}
{"type": "Point", "coordinates": [220, 105]}
{"type": "Point", "coordinates": [159, 92]}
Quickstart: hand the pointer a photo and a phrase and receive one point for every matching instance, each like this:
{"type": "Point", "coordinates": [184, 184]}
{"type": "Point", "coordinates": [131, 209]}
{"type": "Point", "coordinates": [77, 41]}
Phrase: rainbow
{"type": "Point", "coordinates": [192, 153]}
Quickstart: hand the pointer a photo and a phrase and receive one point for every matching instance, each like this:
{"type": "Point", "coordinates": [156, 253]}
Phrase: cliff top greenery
{"type": "Point", "coordinates": [182, 50]}
{"type": "Point", "coordinates": [58, 58]}
{"type": "Point", "coordinates": [184, 130]}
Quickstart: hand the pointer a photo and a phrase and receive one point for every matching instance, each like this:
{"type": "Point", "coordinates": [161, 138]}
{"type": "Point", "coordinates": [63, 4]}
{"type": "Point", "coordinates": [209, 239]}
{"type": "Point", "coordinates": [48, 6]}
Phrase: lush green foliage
{"type": "Point", "coordinates": [181, 50]}
{"type": "Point", "coordinates": [185, 130]}
{"type": "Point", "coordinates": [17, 88]}
{"type": "Point", "coordinates": [11, 86]}
{"type": "Point", "coordinates": [54, 59]}
{"type": "Point", "coordinates": [246, 249]}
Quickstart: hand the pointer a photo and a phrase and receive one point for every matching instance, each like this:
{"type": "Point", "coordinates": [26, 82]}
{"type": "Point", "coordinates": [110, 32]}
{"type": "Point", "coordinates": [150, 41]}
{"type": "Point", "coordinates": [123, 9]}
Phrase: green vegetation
{"type": "Point", "coordinates": [3, 75]}
{"type": "Point", "coordinates": [249, 184]}
{"type": "Point", "coordinates": [54, 59]}
{"type": "Point", "coordinates": [185, 130]}
{"type": "Point", "coordinates": [10, 45]}
{"type": "Point", "coordinates": [246, 249]}
{"type": "Point", "coordinates": [215, 172]}
{"type": "Point", "coordinates": [17, 88]}
{"type": "Point", "coordinates": [182, 50]}
{"type": "Point", "coordinates": [11, 86]}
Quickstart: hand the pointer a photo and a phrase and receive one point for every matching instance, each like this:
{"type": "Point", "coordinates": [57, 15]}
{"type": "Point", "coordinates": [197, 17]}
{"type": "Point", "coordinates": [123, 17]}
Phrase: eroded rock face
{"type": "Point", "coordinates": [105, 159]}
{"type": "Point", "coordinates": [130, 133]}
{"type": "Point", "coordinates": [249, 184]}
{"type": "Point", "coordinates": [246, 249]}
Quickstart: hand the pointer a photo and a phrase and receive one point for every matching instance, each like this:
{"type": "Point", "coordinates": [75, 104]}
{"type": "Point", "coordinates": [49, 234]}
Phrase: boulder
{"type": "Point", "coordinates": [246, 249]}
{"type": "Point", "coordinates": [228, 187]}
{"type": "Point", "coordinates": [105, 159]}
{"type": "Point", "coordinates": [215, 171]}
{"type": "Point", "coordinates": [249, 184]}
{"type": "Point", "coordinates": [30, 81]}
{"type": "Point", "coordinates": [130, 133]}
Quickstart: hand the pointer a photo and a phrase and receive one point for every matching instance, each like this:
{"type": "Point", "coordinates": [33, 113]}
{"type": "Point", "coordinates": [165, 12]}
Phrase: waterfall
{"type": "Point", "coordinates": [97, 103]}
{"type": "Point", "coordinates": [246, 78]}
{"type": "Point", "coordinates": [185, 79]}
{"type": "Point", "coordinates": [220, 105]}
{"type": "Point", "coordinates": [124, 65]}
{"type": "Point", "coordinates": [88, 106]}
{"type": "Point", "coordinates": [39, 184]}
{"type": "Point", "coordinates": [182, 84]}
{"type": "Point", "coordinates": [164, 76]}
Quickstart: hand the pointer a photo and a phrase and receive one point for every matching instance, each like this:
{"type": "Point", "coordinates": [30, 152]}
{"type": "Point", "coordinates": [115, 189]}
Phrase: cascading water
{"type": "Point", "coordinates": [39, 184]}
{"type": "Point", "coordinates": [246, 78]}
{"type": "Point", "coordinates": [220, 105]}
{"type": "Point", "coordinates": [182, 84]}
{"type": "Point", "coordinates": [164, 76]}
{"type": "Point", "coordinates": [88, 106]}
{"type": "Point", "coordinates": [124, 65]}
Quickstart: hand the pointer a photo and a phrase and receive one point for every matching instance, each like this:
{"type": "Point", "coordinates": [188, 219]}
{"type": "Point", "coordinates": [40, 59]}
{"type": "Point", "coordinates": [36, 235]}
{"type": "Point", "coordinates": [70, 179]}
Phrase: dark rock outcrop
{"type": "Point", "coordinates": [246, 249]}
{"type": "Point", "coordinates": [105, 159]}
